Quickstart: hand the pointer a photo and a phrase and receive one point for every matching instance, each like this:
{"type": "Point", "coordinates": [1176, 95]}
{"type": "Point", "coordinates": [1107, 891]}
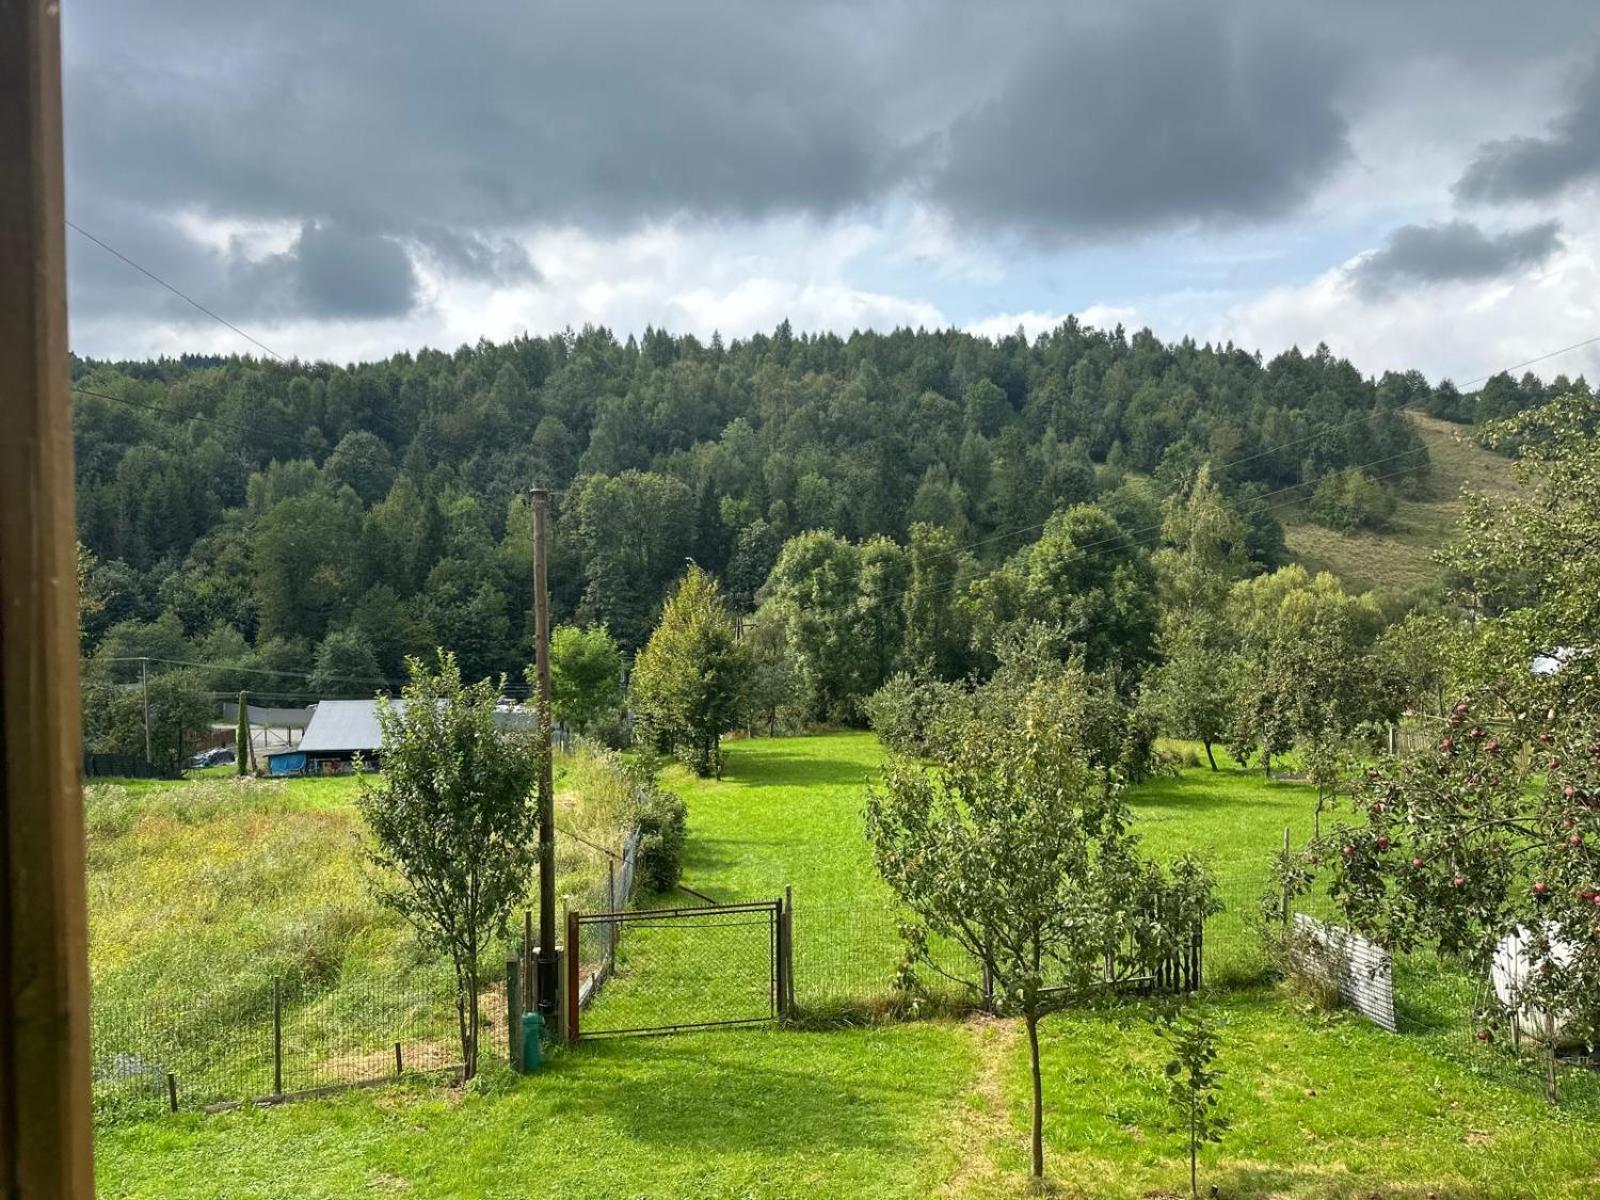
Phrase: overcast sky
{"type": "Point", "coordinates": [1412, 183]}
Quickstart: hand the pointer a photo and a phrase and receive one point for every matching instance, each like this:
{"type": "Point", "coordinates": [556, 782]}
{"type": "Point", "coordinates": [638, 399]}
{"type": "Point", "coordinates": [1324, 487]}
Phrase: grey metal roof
{"type": "Point", "coordinates": [341, 726]}
{"type": "Point", "coordinates": [344, 725]}
{"type": "Point", "coordinates": [277, 718]}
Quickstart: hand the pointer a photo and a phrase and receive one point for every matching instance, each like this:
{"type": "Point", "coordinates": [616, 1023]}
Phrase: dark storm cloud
{"type": "Point", "coordinates": [435, 132]}
{"type": "Point", "coordinates": [474, 115]}
{"type": "Point", "coordinates": [329, 270]}
{"type": "Point", "coordinates": [337, 272]}
{"type": "Point", "coordinates": [1453, 252]}
{"type": "Point", "coordinates": [1165, 118]}
{"type": "Point", "coordinates": [1535, 168]}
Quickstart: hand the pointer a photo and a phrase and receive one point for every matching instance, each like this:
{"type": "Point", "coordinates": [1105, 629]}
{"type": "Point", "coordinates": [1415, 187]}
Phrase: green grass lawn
{"type": "Point", "coordinates": [1323, 1105]}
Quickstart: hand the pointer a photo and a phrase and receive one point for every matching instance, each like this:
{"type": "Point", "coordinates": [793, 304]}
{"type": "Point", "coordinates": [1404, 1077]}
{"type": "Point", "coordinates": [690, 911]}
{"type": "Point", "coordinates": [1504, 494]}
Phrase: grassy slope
{"type": "Point", "coordinates": [908, 1110]}
{"type": "Point", "coordinates": [202, 894]}
{"type": "Point", "coordinates": [1399, 558]}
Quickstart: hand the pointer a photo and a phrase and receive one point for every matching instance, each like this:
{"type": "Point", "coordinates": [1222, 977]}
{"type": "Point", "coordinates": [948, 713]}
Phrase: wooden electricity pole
{"type": "Point", "coordinates": [44, 960]}
{"type": "Point", "coordinates": [549, 981]}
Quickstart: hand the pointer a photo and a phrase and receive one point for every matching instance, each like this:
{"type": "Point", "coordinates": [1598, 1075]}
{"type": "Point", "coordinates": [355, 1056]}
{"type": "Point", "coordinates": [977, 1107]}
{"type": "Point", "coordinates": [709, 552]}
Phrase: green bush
{"type": "Point", "coordinates": [663, 830]}
{"type": "Point", "coordinates": [1350, 500]}
{"type": "Point", "coordinates": [912, 715]}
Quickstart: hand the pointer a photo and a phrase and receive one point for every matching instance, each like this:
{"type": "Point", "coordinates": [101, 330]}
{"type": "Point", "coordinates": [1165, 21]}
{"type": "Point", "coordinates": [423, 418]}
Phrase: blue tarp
{"type": "Point", "coordinates": [286, 764]}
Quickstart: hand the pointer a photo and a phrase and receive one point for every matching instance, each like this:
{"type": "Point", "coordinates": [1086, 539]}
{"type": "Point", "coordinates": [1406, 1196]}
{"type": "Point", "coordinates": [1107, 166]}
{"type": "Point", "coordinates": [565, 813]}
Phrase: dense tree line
{"type": "Point", "coordinates": [279, 521]}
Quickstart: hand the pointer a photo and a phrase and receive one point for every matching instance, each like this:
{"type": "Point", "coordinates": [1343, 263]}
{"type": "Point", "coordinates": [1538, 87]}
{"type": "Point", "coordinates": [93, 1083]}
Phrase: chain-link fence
{"type": "Point", "coordinates": [191, 1055]}
{"type": "Point", "coordinates": [681, 968]}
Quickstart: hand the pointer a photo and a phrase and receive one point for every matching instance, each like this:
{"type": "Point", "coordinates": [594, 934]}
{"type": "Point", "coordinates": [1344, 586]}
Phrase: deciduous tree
{"type": "Point", "coordinates": [1014, 849]}
{"type": "Point", "coordinates": [454, 823]}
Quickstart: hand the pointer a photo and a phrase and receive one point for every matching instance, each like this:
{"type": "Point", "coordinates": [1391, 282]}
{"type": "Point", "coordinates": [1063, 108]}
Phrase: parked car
{"type": "Point", "coordinates": [216, 757]}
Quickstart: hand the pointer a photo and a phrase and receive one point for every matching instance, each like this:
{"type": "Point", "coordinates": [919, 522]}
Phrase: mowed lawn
{"type": "Point", "coordinates": [1323, 1105]}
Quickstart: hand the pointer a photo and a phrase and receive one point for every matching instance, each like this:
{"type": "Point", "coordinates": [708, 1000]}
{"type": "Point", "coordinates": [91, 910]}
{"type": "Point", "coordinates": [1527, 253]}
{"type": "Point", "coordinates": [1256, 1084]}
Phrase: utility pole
{"type": "Point", "coordinates": [243, 742]}
{"type": "Point", "coordinates": [549, 983]}
{"type": "Point", "coordinates": [144, 684]}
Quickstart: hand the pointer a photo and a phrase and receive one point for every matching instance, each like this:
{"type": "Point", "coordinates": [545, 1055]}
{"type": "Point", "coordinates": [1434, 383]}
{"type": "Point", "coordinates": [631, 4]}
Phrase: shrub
{"type": "Point", "coordinates": [912, 715]}
{"type": "Point", "coordinates": [663, 830]}
{"type": "Point", "coordinates": [1349, 500]}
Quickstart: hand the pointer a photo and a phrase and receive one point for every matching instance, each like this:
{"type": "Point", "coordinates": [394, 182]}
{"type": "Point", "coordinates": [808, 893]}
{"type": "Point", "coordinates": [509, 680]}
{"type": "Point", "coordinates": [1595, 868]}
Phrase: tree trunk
{"type": "Point", "coordinates": [1038, 1096]}
{"type": "Point", "coordinates": [1194, 1171]}
{"type": "Point", "coordinates": [461, 1025]}
{"type": "Point", "coordinates": [472, 1021]}
{"type": "Point", "coordinates": [1266, 762]}
{"type": "Point", "coordinates": [1210, 757]}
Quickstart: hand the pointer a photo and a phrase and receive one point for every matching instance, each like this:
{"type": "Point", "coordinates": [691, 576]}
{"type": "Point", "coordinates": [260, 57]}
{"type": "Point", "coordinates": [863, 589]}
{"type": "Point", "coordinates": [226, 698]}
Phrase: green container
{"type": "Point", "coordinates": [532, 1041]}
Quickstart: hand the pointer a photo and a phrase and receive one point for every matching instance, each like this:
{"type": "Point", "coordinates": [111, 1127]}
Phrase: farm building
{"type": "Point", "coordinates": [341, 730]}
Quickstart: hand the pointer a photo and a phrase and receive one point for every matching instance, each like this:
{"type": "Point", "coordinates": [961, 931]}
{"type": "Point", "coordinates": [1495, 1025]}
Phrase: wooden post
{"type": "Point", "coordinates": [172, 1091]}
{"type": "Point", "coordinates": [571, 1013]}
{"type": "Point", "coordinates": [513, 1013]}
{"type": "Point", "coordinates": [144, 687]}
{"type": "Point", "coordinates": [788, 947]}
{"type": "Point", "coordinates": [45, 1126]}
{"type": "Point", "coordinates": [277, 1037]}
{"type": "Point", "coordinates": [613, 929]}
{"type": "Point", "coordinates": [1286, 900]}
{"type": "Point", "coordinates": [241, 737]}
{"type": "Point", "coordinates": [399, 1061]}
{"type": "Point", "coordinates": [549, 981]}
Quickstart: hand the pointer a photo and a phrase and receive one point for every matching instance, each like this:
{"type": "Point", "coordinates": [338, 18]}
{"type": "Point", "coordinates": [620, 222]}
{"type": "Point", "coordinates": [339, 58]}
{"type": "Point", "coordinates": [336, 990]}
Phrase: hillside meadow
{"type": "Point", "coordinates": [1400, 558]}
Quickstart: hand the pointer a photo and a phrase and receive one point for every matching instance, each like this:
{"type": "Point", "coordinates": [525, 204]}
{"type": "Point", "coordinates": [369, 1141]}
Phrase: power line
{"type": "Point", "coordinates": [186, 662]}
{"type": "Point", "coordinates": [1530, 362]}
{"type": "Point", "coordinates": [168, 412]}
{"type": "Point", "coordinates": [510, 689]}
{"type": "Point", "coordinates": [182, 295]}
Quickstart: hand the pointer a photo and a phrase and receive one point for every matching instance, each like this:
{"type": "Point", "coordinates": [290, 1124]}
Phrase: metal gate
{"type": "Point", "coordinates": [658, 970]}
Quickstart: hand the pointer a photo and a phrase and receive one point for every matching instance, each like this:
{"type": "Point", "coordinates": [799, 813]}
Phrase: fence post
{"type": "Point", "coordinates": [780, 986]}
{"type": "Point", "coordinates": [172, 1091]}
{"type": "Point", "coordinates": [788, 945]}
{"type": "Point", "coordinates": [613, 927]}
{"type": "Point", "coordinates": [277, 1036]}
{"type": "Point", "coordinates": [1286, 900]}
{"type": "Point", "coordinates": [399, 1062]}
{"type": "Point", "coordinates": [513, 1013]}
{"type": "Point", "coordinates": [571, 1016]}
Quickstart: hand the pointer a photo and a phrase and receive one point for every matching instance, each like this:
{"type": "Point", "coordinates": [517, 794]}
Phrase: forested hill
{"type": "Point", "coordinates": [290, 515]}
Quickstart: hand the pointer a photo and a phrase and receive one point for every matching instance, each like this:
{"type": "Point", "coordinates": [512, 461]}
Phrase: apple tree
{"type": "Point", "coordinates": [1014, 848]}
{"type": "Point", "coordinates": [1497, 827]}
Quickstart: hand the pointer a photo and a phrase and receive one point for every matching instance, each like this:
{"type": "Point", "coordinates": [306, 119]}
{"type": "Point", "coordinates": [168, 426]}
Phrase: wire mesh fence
{"type": "Point", "coordinates": [191, 1055]}
{"type": "Point", "coordinates": [682, 968]}
{"type": "Point", "coordinates": [857, 956]}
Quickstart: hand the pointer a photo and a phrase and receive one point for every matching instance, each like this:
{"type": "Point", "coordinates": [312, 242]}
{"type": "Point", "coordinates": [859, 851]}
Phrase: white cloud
{"type": "Point", "coordinates": [696, 278]}
{"type": "Point", "coordinates": [1463, 331]}
{"type": "Point", "coordinates": [1033, 322]}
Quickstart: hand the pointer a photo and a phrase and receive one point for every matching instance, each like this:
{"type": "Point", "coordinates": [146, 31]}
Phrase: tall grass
{"type": "Point", "coordinates": [211, 900]}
